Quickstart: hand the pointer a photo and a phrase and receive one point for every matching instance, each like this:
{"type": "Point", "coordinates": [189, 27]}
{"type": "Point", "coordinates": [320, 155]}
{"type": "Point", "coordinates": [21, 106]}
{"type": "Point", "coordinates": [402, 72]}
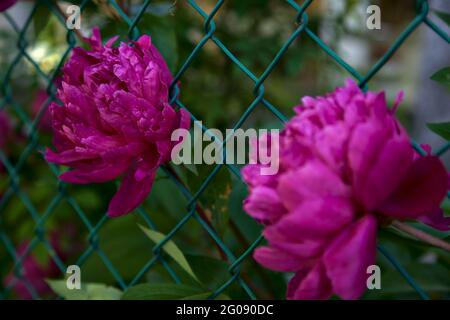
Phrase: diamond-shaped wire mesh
{"type": "Point", "coordinates": [193, 209]}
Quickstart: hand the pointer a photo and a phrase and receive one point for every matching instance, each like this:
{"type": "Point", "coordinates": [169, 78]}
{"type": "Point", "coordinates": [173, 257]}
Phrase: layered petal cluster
{"type": "Point", "coordinates": [346, 167]}
{"type": "Point", "coordinates": [116, 119]}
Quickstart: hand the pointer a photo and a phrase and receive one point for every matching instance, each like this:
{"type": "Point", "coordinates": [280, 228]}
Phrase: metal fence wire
{"type": "Point", "coordinates": [260, 101]}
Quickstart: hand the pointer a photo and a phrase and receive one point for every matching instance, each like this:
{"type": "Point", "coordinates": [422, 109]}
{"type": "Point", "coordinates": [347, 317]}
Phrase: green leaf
{"type": "Point", "coordinates": [98, 291]}
{"type": "Point", "coordinates": [205, 296]}
{"type": "Point", "coordinates": [60, 288]}
{"type": "Point", "coordinates": [171, 249]}
{"type": "Point", "coordinates": [89, 291]}
{"type": "Point", "coordinates": [160, 291]}
{"type": "Point", "coordinates": [444, 16]}
{"type": "Point", "coordinates": [442, 76]}
{"type": "Point", "coordinates": [211, 272]}
{"type": "Point", "coordinates": [442, 129]}
{"type": "Point", "coordinates": [40, 19]}
{"type": "Point", "coordinates": [125, 246]}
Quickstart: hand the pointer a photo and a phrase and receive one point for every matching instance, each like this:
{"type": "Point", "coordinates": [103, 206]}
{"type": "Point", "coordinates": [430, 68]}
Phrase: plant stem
{"type": "Point", "coordinates": [419, 234]}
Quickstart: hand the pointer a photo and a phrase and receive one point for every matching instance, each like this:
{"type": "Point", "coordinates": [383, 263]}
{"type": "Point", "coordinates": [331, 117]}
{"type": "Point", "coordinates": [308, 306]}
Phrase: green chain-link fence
{"type": "Point", "coordinates": [192, 209]}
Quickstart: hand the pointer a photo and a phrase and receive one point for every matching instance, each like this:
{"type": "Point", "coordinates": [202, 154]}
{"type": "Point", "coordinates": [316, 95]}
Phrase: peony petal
{"type": "Point", "coordinates": [251, 174]}
{"type": "Point", "coordinates": [111, 41]}
{"type": "Point", "coordinates": [378, 103]}
{"type": "Point", "coordinates": [397, 101]}
{"type": "Point", "coordinates": [436, 220]}
{"type": "Point", "coordinates": [131, 193]}
{"type": "Point", "coordinates": [277, 260]}
{"type": "Point", "coordinates": [69, 156]}
{"type": "Point", "coordinates": [379, 157]}
{"type": "Point", "coordinates": [318, 217]}
{"type": "Point", "coordinates": [347, 258]}
{"type": "Point", "coordinates": [314, 179]}
{"type": "Point", "coordinates": [95, 173]}
{"type": "Point", "coordinates": [95, 40]}
{"type": "Point", "coordinates": [295, 282]}
{"type": "Point", "coordinates": [294, 242]}
{"type": "Point", "coordinates": [420, 192]}
{"type": "Point", "coordinates": [386, 172]}
{"type": "Point", "coordinates": [5, 129]}
{"type": "Point", "coordinates": [264, 204]}
{"type": "Point", "coordinates": [311, 285]}
{"type": "Point", "coordinates": [331, 144]}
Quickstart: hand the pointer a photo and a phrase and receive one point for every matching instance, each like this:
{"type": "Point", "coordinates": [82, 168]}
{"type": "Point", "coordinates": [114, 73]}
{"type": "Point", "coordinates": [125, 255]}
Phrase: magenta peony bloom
{"type": "Point", "coordinates": [35, 273]}
{"type": "Point", "coordinates": [116, 119]}
{"type": "Point", "coordinates": [6, 4]}
{"type": "Point", "coordinates": [346, 167]}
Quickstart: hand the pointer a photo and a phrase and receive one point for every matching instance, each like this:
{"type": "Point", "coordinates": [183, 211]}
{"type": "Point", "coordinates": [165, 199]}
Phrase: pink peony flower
{"type": "Point", "coordinates": [116, 119]}
{"type": "Point", "coordinates": [346, 167]}
{"type": "Point", "coordinates": [6, 4]}
{"type": "Point", "coordinates": [35, 273]}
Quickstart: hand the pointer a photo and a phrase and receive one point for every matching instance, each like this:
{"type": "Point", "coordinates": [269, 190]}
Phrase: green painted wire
{"type": "Point", "coordinates": [423, 295]}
